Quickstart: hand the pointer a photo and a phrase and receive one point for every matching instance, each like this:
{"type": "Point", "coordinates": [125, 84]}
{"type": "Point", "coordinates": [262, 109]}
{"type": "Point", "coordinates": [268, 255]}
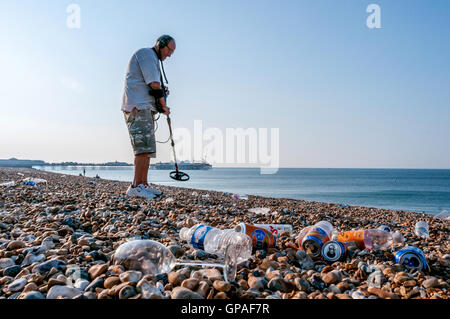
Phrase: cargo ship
{"type": "Point", "coordinates": [183, 165]}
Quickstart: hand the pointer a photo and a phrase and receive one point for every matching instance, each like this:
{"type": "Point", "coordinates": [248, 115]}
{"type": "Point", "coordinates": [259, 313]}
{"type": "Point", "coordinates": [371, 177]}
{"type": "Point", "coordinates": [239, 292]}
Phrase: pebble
{"type": "Point", "coordinates": [430, 283]}
{"type": "Point", "coordinates": [190, 283]}
{"type": "Point", "coordinates": [222, 286]}
{"type": "Point", "coordinates": [111, 282]}
{"type": "Point", "coordinates": [257, 283]}
{"type": "Point", "coordinates": [81, 284]}
{"type": "Point", "coordinates": [62, 291]}
{"type": "Point", "coordinates": [332, 277]}
{"type": "Point", "coordinates": [6, 262]}
{"type": "Point", "coordinates": [31, 295]}
{"type": "Point", "coordinates": [46, 266]}
{"type": "Point", "coordinates": [17, 285]}
{"type": "Point", "coordinates": [12, 271]}
{"type": "Point", "coordinates": [280, 284]}
{"type": "Point", "coordinates": [130, 276]}
{"type": "Point", "coordinates": [97, 270]}
{"type": "Point", "coordinates": [175, 278]}
{"type": "Point", "coordinates": [184, 293]}
{"type": "Point", "coordinates": [16, 244]}
{"type": "Point", "coordinates": [176, 250]}
{"type": "Point", "coordinates": [127, 292]}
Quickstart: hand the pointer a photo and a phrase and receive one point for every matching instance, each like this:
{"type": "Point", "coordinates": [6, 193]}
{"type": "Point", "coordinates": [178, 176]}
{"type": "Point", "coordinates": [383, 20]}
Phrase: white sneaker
{"type": "Point", "coordinates": [152, 190]}
{"type": "Point", "coordinates": [139, 191]}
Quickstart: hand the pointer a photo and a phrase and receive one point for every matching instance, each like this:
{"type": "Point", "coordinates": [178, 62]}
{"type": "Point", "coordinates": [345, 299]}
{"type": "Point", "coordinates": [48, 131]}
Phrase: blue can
{"type": "Point", "coordinates": [411, 257]}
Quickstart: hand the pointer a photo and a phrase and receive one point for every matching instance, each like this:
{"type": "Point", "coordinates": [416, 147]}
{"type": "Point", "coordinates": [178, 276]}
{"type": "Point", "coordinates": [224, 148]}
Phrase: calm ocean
{"type": "Point", "coordinates": [416, 190]}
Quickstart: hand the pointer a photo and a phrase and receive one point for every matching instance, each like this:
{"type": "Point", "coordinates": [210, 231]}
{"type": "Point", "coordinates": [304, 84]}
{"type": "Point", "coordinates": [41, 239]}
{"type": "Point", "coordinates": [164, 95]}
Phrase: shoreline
{"type": "Point", "coordinates": [85, 223]}
{"type": "Point", "coordinates": [432, 210]}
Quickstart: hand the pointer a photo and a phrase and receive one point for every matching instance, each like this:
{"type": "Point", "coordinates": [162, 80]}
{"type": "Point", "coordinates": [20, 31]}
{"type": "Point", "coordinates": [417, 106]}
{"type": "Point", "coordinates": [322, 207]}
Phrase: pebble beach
{"type": "Point", "coordinates": [57, 241]}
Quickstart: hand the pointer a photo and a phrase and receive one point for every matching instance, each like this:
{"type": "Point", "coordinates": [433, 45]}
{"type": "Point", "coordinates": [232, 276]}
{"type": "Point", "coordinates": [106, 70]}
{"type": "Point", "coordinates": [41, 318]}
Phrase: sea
{"type": "Point", "coordinates": [415, 190]}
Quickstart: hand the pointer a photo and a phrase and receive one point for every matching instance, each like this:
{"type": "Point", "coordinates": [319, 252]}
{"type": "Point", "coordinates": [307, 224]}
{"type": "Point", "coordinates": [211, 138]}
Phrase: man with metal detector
{"type": "Point", "coordinates": [144, 96]}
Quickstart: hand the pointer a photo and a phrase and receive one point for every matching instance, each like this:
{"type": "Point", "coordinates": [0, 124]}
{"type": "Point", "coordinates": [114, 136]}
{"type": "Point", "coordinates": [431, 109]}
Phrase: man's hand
{"type": "Point", "coordinates": [166, 110]}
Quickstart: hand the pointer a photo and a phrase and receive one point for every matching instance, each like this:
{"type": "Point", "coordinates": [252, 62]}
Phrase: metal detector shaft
{"type": "Point", "coordinates": [172, 142]}
{"type": "Point", "coordinates": [177, 175]}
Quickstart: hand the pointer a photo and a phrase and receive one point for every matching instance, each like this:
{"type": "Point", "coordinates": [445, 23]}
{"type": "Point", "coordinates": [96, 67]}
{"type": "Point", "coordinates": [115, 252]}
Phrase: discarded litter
{"type": "Point", "coordinates": [261, 238]}
{"type": "Point", "coordinates": [240, 196]}
{"type": "Point", "coordinates": [8, 184]}
{"type": "Point", "coordinates": [169, 200]}
{"type": "Point", "coordinates": [373, 239]}
{"type": "Point", "coordinates": [259, 210]}
{"type": "Point", "coordinates": [34, 181]}
{"type": "Point", "coordinates": [412, 257]}
{"type": "Point", "coordinates": [91, 183]}
{"type": "Point", "coordinates": [194, 194]}
{"type": "Point", "coordinates": [277, 229]}
{"type": "Point", "coordinates": [421, 229]}
{"type": "Point", "coordinates": [315, 237]}
{"type": "Point", "coordinates": [153, 258]}
{"type": "Point", "coordinates": [214, 240]}
{"type": "Point", "coordinates": [334, 250]}
{"type": "Point", "coordinates": [444, 215]}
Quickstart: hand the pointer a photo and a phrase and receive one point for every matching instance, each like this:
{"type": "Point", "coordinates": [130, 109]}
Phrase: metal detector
{"type": "Point", "coordinates": [176, 174]}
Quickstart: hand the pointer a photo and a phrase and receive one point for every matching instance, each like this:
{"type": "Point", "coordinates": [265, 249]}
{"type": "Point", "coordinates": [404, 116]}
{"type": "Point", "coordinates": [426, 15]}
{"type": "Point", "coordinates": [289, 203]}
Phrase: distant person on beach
{"type": "Point", "coordinates": [143, 89]}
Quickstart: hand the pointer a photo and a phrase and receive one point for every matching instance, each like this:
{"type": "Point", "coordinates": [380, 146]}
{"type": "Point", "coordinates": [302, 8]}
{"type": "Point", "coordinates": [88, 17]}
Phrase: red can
{"type": "Point", "coordinates": [261, 238]}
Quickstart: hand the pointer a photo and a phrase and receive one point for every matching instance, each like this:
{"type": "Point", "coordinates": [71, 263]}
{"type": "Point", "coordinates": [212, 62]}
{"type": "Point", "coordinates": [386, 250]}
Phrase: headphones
{"type": "Point", "coordinates": [163, 41]}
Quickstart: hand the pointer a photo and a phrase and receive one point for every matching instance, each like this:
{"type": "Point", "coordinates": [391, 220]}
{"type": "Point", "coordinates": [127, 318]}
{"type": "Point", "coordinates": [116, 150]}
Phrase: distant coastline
{"type": "Point", "coordinates": [14, 162]}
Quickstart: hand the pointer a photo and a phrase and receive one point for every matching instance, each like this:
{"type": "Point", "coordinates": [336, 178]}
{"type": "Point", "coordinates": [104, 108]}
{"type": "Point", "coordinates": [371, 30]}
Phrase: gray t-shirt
{"type": "Point", "coordinates": [143, 69]}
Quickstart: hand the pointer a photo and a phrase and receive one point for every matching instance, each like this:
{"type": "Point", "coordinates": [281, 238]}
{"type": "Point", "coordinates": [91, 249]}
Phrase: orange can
{"type": "Point", "coordinates": [302, 235]}
{"type": "Point", "coordinates": [353, 235]}
{"type": "Point", "coordinates": [261, 238]}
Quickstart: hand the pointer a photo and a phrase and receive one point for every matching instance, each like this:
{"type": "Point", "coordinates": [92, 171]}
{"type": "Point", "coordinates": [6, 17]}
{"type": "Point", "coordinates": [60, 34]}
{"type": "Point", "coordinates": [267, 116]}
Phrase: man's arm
{"type": "Point", "coordinates": [162, 101]}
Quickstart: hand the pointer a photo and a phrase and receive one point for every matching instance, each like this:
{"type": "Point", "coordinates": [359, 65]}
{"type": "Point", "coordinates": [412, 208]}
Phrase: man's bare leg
{"type": "Point", "coordinates": [141, 165]}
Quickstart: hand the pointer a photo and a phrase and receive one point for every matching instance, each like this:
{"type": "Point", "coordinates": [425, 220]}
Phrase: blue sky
{"type": "Point", "coordinates": [342, 95]}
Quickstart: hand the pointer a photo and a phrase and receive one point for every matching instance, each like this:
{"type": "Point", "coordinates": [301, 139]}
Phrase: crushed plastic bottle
{"type": "Point", "coordinates": [421, 229]}
{"type": "Point", "coordinates": [34, 181]}
{"type": "Point", "coordinates": [8, 184]}
{"type": "Point", "coordinates": [443, 215]}
{"type": "Point", "coordinates": [215, 241]}
{"type": "Point", "coordinates": [398, 238]}
{"type": "Point", "coordinates": [259, 211]}
{"type": "Point", "coordinates": [240, 196]}
{"type": "Point", "coordinates": [152, 257]}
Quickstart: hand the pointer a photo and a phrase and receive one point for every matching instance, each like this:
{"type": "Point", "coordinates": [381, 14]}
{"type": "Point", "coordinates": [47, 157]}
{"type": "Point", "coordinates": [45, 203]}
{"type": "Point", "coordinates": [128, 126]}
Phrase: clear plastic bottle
{"type": "Point", "coordinates": [240, 196]}
{"type": "Point", "coordinates": [215, 241]}
{"type": "Point", "coordinates": [368, 238]}
{"type": "Point", "coordinates": [421, 229]}
{"type": "Point", "coordinates": [377, 239]}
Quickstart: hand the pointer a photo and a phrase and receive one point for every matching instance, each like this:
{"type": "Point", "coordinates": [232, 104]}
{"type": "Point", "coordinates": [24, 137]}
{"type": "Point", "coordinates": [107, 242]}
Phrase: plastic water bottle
{"type": "Point", "coordinates": [368, 238]}
{"type": "Point", "coordinates": [421, 229]}
{"type": "Point", "coordinates": [8, 184]}
{"type": "Point", "coordinates": [215, 241]}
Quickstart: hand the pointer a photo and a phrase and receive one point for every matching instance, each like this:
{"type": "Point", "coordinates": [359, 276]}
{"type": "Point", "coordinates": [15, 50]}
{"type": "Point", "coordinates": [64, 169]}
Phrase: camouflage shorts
{"type": "Point", "coordinates": [140, 125]}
